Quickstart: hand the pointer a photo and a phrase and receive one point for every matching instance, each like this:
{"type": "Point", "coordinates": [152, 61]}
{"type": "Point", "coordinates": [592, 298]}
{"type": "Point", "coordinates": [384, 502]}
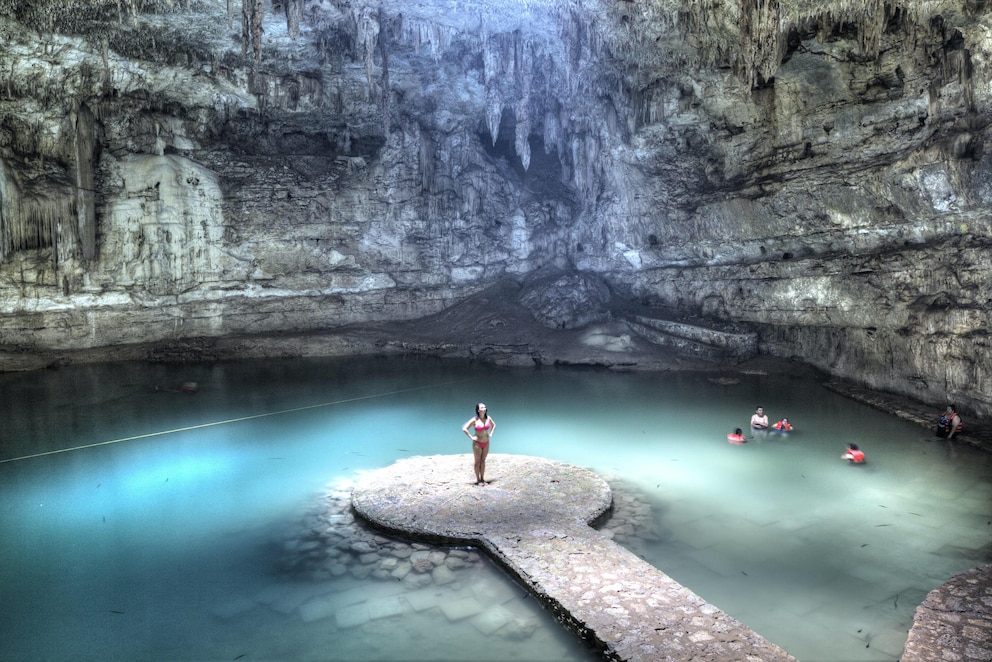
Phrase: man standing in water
{"type": "Point", "coordinates": [759, 420]}
{"type": "Point", "coordinates": [484, 427]}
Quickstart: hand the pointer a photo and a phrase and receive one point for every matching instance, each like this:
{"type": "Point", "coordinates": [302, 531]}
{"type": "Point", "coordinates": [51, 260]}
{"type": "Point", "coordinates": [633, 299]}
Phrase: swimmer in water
{"type": "Point", "coordinates": [783, 426]}
{"type": "Point", "coordinates": [854, 455]}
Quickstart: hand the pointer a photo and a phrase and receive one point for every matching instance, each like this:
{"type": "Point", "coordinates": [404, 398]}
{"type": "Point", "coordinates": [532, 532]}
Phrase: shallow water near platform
{"type": "Point", "coordinates": [162, 536]}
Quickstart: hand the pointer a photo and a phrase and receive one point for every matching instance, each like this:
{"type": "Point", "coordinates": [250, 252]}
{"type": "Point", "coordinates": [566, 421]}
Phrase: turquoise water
{"type": "Point", "coordinates": [165, 537]}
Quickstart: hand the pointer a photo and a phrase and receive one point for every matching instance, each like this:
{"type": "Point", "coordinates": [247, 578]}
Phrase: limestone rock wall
{"type": "Point", "coordinates": [817, 170]}
{"type": "Point", "coordinates": [348, 175]}
{"type": "Point", "coordinates": [841, 207]}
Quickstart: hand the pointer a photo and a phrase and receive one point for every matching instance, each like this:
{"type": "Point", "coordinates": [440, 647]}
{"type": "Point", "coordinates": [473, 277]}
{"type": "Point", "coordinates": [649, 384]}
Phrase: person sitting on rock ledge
{"type": "Point", "coordinates": [484, 427]}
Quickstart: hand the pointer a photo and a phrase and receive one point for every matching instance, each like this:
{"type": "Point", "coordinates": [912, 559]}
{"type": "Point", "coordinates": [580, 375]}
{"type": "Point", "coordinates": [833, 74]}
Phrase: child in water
{"type": "Point", "coordinates": [736, 437]}
{"type": "Point", "coordinates": [783, 426]}
{"type": "Point", "coordinates": [854, 455]}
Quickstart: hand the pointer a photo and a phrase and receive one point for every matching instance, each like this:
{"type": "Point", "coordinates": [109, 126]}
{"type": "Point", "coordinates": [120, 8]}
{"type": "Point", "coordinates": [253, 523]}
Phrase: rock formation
{"type": "Point", "coordinates": [176, 169]}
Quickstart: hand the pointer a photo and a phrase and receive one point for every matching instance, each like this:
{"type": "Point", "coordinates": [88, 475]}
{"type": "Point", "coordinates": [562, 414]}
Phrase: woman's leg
{"type": "Point", "coordinates": [482, 463]}
{"type": "Point", "coordinates": [478, 450]}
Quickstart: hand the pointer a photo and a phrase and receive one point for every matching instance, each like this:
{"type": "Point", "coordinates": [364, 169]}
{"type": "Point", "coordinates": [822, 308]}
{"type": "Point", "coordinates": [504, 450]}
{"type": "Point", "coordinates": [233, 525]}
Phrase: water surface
{"type": "Point", "coordinates": [163, 537]}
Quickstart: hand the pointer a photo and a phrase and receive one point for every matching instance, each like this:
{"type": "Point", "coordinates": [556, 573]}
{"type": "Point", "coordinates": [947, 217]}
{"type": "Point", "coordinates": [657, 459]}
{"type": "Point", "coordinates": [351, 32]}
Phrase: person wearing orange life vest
{"type": "Point", "coordinates": [783, 426]}
{"type": "Point", "coordinates": [736, 437]}
{"type": "Point", "coordinates": [854, 455]}
{"type": "Point", "coordinates": [950, 423]}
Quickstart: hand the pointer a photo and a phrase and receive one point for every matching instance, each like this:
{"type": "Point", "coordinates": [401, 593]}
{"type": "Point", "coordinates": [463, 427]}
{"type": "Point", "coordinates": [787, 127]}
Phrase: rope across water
{"type": "Point", "coordinates": [229, 421]}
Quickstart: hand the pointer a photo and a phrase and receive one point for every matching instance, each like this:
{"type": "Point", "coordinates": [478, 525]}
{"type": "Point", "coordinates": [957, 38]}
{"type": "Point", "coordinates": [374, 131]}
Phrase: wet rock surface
{"type": "Point", "coordinates": [333, 567]}
{"type": "Point", "coordinates": [534, 519]}
{"type": "Point", "coordinates": [332, 543]}
{"type": "Point", "coordinates": [955, 621]}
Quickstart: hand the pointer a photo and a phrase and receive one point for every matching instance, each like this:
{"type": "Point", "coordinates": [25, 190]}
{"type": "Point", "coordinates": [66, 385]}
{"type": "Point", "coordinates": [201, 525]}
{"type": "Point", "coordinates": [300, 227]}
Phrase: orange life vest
{"type": "Point", "coordinates": [857, 456]}
{"type": "Point", "coordinates": [782, 426]}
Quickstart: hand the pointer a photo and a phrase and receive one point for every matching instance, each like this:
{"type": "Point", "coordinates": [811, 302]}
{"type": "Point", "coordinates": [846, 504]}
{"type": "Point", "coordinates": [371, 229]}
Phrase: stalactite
{"type": "Point", "coordinates": [578, 173]}
{"type": "Point", "coordinates": [494, 111]}
{"type": "Point", "coordinates": [252, 13]}
{"type": "Point", "coordinates": [522, 109]}
{"type": "Point", "coordinates": [869, 17]}
{"type": "Point", "coordinates": [761, 40]}
{"type": "Point", "coordinates": [423, 33]}
{"type": "Point", "coordinates": [368, 35]}
{"type": "Point", "coordinates": [8, 204]}
{"type": "Point", "coordinates": [38, 222]}
{"type": "Point", "coordinates": [106, 75]}
{"type": "Point", "coordinates": [386, 99]}
{"type": "Point", "coordinates": [294, 14]}
{"type": "Point", "coordinates": [750, 35]}
{"type": "Point", "coordinates": [491, 59]}
{"type": "Point", "coordinates": [426, 161]}
{"type": "Point", "coordinates": [521, 136]}
{"type": "Point", "coordinates": [872, 24]}
{"type": "Point", "coordinates": [553, 138]}
{"type": "Point", "coordinates": [84, 144]}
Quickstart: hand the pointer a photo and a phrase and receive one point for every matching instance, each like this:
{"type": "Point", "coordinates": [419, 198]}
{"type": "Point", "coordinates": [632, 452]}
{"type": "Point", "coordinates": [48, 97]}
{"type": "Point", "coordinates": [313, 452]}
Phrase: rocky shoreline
{"type": "Point", "coordinates": [493, 327]}
{"type": "Point", "coordinates": [608, 345]}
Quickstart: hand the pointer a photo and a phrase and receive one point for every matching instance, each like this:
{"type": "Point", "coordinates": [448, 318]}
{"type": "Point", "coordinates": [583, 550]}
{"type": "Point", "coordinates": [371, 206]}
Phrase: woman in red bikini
{"type": "Point", "coordinates": [483, 425]}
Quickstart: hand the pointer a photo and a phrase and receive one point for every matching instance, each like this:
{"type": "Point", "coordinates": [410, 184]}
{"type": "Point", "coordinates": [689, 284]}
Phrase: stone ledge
{"type": "Point", "coordinates": [955, 621]}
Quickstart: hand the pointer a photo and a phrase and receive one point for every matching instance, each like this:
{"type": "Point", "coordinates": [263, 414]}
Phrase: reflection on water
{"type": "Point", "coordinates": [213, 525]}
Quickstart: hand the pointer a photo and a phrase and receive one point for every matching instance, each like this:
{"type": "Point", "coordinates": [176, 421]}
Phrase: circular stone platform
{"type": "Point", "coordinates": [436, 497]}
{"type": "Point", "coordinates": [533, 518]}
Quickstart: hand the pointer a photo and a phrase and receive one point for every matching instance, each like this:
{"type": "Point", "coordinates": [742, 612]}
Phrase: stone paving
{"type": "Point", "coordinates": [533, 518]}
{"type": "Point", "coordinates": [954, 623]}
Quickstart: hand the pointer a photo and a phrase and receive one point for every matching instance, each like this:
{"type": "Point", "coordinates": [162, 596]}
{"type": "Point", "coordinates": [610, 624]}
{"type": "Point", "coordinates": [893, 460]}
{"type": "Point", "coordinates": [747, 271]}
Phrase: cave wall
{"type": "Point", "coordinates": [180, 168]}
{"type": "Point", "coordinates": [841, 208]}
{"type": "Point", "coordinates": [352, 174]}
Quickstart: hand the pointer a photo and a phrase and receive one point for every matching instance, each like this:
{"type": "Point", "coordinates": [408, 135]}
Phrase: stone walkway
{"type": "Point", "coordinates": [533, 518]}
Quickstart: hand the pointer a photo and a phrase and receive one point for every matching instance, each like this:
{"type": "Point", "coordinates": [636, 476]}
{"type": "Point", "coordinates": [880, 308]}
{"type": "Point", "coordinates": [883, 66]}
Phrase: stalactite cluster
{"type": "Point", "coordinates": [294, 14]}
{"type": "Point", "coordinates": [252, 13]}
{"type": "Point", "coordinates": [31, 222]}
{"type": "Point", "coordinates": [747, 35]}
{"type": "Point", "coordinates": [425, 34]}
{"type": "Point", "coordinates": [761, 38]}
